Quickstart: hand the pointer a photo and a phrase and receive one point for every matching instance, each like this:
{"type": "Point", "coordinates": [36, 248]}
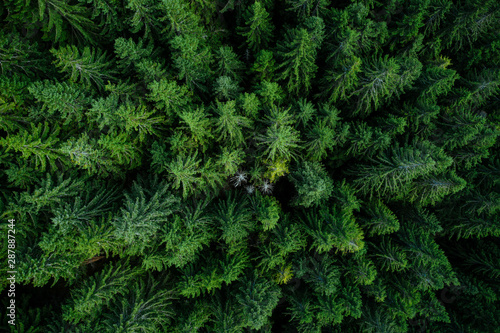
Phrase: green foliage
{"type": "Point", "coordinates": [381, 219]}
{"type": "Point", "coordinates": [100, 290]}
{"type": "Point", "coordinates": [88, 66]}
{"type": "Point", "coordinates": [184, 237]}
{"type": "Point", "coordinates": [280, 139]}
{"type": "Point", "coordinates": [184, 172]}
{"type": "Point", "coordinates": [383, 78]}
{"type": "Point", "coordinates": [294, 166]}
{"type": "Point", "coordinates": [322, 275]}
{"type": "Point", "coordinates": [104, 156]}
{"type": "Point", "coordinates": [38, 145]}
{"type": "Point", "coordinates": [257, 298]}
{"type": "Point", "coordinates": [333, 228]}
{"type": "Point", "coordinates": [395, 170]}
{"type": "Point", "coordinates": [312, 183]}
{"type": "Point", "coordinates": [146, 307]}
{"type": "Point", "coordinates": [234, 219]}
{"type": "Point", "coordinates": [192, 61]}
{"type": "Point", "coordinates": [197, 123]}
{"type": "Point", "coordinates": [68, 101]}
{"type": "Point", "coordinates": [169, 96]}
{"type": "Point", "coordinates": [259, 29]}
{"type": "Point", "coordinates": [267, 210]}
{"type": "Point", "coordinates": [142, 216]}
{"type": "Point", "coordinates": [298, 53]}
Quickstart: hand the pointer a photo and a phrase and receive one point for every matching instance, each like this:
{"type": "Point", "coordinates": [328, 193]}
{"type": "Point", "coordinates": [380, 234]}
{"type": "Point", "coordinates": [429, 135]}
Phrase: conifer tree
{"type": "Point", "coordinates": [256, 298]}
{"type": "Point", "coordinates": [147, 306]}
{"type": "Point", "coordinates": [68, 101]}
{"type": "Point", "coordinates": [280, 140]}
{"type": "Point", "coordinates": [184, 171]}
{"type": "Point", "coordinates": [197, 123]}
{"type": "Point", "coordinates": [313, 184]}
{"type": "Point", "coordinates": [258, 30]}
{"type": "Point", "coordinates": [39, 145]}
{"type": "Point", "coordinates": [142, 216]}
{"type": "Point", "coordinates": [333, 228]}
{"type": "Point", "coordinates": [234, 219]}
{"type": "Point", "coordinates": [97, 292]}
{"type": "Point", "coordinates": [228, 63]}
{"type": "Point", "coordinates": [89, 66]}
{"type": "Point", "coordinates": [264, 65]}
{"type": "Point", "coordinates": [192, 61]}
{"type": "Point", "coordinates": [298, 52]}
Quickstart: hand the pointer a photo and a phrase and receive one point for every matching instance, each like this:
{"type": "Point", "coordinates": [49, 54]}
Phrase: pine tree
{"type": "Point", "coordinates": [68, 101]}
{"type": "Point", "coordinates": [257, 298]}
{"type": "Point", "coordinates": [142, 16]}
{"type": "Point", "coordinates": [321, 274]}
{"type": "Point", "coordinates": [271, 93]}
{"type": "Point", "coordinates": [130, 52]}
{"type": "Point", "coordinates": [142, 216]}
{"type": "Point", "coordinates": [394, 171]}
{"type": "Point", "coordinates": [306, 8]}
{"type": "Point", "coordinates": [169, 96]}
{"type": "Point", "coordinates": [147, 306]}
{"type": "Point", "coordinates": [436, 81]}
{"type": "Point", "coordinates": [264, 65]}
{"type": "Point", "coordinates": [333, 228]}
{"type": "Point", "coordinates": [39, 145]}
{"type": "Point", "coordinates": [312, 183]}
{"type": "Point", "coordinates": [60, 20]}
{"type": "Point", "coordinates": [85, 153]}
{"type": "Point", "coordinates": [281, 140]}
{"type": "Point", "coordinates": [381, 219]}
{"type": "Point", "coordinates": [89, 299]}
{"type": "Point", "coordinates": [470, 20]}
{"type": "Point", "coordinates": [383, 78]}
{"type": "Point", "coordinates": [180, 19]}
{"type": "Point", "coordinates": [259, 29]}
{"type": "Point", "coordinates": [47, 193]}
{"type": "Point", "coordinates": [185, 237]}
{"type": "Point", "coordinates": [197, 123]}
{"type": "Point", "coordinates": [184, 170]}
{"type": "Point", "coordinates": [339, 83]}
{"type": "Point", "coordinates": [298, 53]}
{"type": "Point", "coordinates": [192, 60]}
{"type": "Point", "coordinates": [267, 211]}
{"type": "Point", "coordinates": [225, 318]}
{"type": "Point", "coordinates": [89, 66]}
{"type": "Point", "coordinates": [226, 88]}
{"type": "Point", "coordinates": [134, 119]}
{"type": "Point", "coordinates": [431, 189]}
{"type": "Point", "coordinates": [389, 256]}
{"type": "Point", "coordinates": [234, 219]}
{"type": "Point", "coordinates": [228, 63]}
{"type": "Point", "coordinates": [229, 123]}
{"type": "Point", "coordinates": [18, 55]}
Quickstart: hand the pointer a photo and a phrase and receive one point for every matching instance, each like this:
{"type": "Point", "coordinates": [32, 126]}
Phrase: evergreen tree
{"type": "Point", "coordinates": [298, 52]}
{"type": "Point", "coordinates": [90, 298]}
{"type": "Point", "coordinates": [234, 219]}
{"type": "Point", "coordinates": [68, 101]}
{"type": "Point", "coordinates": [256, 298]}
{"type": "Point", "coordinates": [87, 66]}
{"type": "Point", "coordinates": [39, 145]}
{"type": "Point", "coordinates": [259, 29]}
{"type": "Point", "coordinates": [313, 184]}
{"type": "Point", "coordinates": [142, 216]}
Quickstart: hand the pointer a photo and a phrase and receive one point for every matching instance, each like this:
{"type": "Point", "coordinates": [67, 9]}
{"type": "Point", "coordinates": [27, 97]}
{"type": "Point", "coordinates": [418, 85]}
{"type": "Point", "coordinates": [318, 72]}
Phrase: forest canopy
{"type": "Point", "coordinates": [251, 166]}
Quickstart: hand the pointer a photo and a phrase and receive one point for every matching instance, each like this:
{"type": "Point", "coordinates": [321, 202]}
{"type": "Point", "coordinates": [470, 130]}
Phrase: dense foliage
{"type": "Point", "coordinates": [266, 166]}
